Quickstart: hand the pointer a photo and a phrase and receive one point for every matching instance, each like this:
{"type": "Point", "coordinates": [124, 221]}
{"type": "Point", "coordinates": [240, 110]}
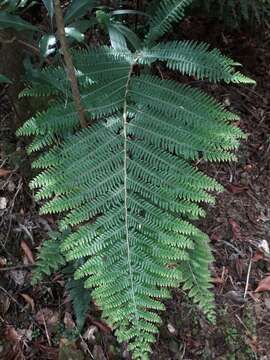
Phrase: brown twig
{"type": "Point", "coordinates": [86, 346]}
{"type": "Point", "coordinates": [69, 62]}
{"type": "Point", "coordinates": [46, 332]}
{"type": "Point", "coordinates": [248, 276]}
{"type": "Point", "coordinates": [17, 267]}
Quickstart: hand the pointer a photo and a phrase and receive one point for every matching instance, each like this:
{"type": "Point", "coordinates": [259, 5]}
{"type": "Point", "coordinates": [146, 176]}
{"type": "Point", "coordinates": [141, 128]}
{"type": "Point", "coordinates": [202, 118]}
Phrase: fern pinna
{"type": "Point", "coordinates": [127, 185]}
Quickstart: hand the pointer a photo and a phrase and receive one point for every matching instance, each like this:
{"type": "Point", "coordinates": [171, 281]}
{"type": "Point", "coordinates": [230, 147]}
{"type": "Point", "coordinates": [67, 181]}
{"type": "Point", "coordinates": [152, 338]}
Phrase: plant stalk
{"type": "Point", "coordinates": [69, 62]}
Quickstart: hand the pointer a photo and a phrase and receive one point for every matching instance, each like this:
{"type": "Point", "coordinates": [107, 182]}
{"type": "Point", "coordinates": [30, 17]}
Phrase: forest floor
{"type": "Point", "coordinates": [36, 322]}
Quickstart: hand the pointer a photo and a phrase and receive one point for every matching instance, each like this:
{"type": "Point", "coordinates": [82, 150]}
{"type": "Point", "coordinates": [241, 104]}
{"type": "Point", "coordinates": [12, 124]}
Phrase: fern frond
{"type": "Point", "coordinates": [128, 185]}
{"type": "Point", "coordinates": [50, 258]}
{"type": "Point", "coordinates": [40, 142]}
{"type": "Point", "coordinates": [100, 97]}
{"type": "Point", "coordinates": [196, 278]}
{"type": "Point", "coordinates": [195, 59]}
{"type": "Point", "coordinates": [167, 12]}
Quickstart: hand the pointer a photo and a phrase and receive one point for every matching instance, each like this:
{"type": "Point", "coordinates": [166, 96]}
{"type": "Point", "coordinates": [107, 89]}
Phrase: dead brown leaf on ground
{"type": "Point", "coordinates": [28, 252]}
{"type": "Point", "coordinates": [264, 285]}
{"type": "Point", "coordinates": [4, 172]}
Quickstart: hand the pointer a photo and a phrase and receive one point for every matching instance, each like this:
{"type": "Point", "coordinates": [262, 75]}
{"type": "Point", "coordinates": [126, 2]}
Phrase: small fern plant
{"type": "Point", "coordinates": [127, 186]}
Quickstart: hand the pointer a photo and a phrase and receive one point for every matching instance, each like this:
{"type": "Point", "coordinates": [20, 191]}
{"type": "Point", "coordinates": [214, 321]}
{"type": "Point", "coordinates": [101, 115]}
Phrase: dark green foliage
{"type": "Point", "coordinates": [80, 298]}
{"type": "Point", "coordinates": [236, 13]}
{"type": "Point", "coordinates": [128, 185]}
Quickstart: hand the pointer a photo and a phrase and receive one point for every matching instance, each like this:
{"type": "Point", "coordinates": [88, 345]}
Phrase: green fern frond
{"type": "Point", "coordinates": [242, 79]}
{"type": "Point", "coordinates": [196, 278]}
{"type": "Point", "coordinates": [51, 82]}
{"type": "Point", "coordinates": [50, 258]}
{"type": "Point", "coordinates": [195, 59]}
{"type": "Point", "coordinates": [40, 142]}
{"type": "Point", "coordinates": [127, 185]}
{"type": "Point", "coordinates": [167, 12]}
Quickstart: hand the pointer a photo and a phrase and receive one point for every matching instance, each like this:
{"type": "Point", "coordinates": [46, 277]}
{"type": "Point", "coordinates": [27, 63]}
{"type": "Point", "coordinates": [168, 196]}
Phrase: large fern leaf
{"type": "Point", "coordinates": [127, 184]}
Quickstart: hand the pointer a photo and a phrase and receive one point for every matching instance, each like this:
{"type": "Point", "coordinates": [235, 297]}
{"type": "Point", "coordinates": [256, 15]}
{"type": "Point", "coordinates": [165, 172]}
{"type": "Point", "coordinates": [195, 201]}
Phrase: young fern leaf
{"type": "Point", "coordinates": [127, 184]}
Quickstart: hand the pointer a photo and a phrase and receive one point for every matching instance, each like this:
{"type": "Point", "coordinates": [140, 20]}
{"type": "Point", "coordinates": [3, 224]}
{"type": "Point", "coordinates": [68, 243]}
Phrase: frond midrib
{"type": "Point", "coordinates": [125, 136]}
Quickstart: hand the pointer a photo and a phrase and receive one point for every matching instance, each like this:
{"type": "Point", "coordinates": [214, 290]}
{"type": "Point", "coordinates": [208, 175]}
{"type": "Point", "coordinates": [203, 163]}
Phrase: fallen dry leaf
{"type": "Point", "coordinates": [98, 353]}
{"type": "Point", "coordinates": [264, 285]}
{"type": "Point", "coordinates": [3, 203]}
{"type": "Point", "coordinates": [267, 303]}
{"type": "Point", "coordinates": [239, 266]}
{"type": "Point", "coordinates": [68, 321]}
{"type": "Point", "coordinates": [252, 341]}
{"type": "Point", "coordinates": [54, 320]}
{"type": "Point", "coordinates": [3, 261]}
{"type": "Point", "coordinates": [69, 351]}
{"type": "Point", "coordinates": [216, 236]}
{"type": "Point", "coordinates": [4, 304]}
{"type": "Point", "coordinates": [26, 334]}
{"type": "Point", "coordinates": [172, 330]}
{"type": "Point", "coordinates": [235, 229]}
{"type": "Point", "coordinates": [12, 335]}
{"type": "Point", "coordinates": [218, 281]}
{"type": "Point", "coordinates": [259, 255]}
{"type": "Point", "coordinates": [11, 186]}
{"type": "Point", "coordinates": [264, 246]}
{"type": "Point", "coordinates": [43, 315]}
{"type": "Point", "coordinates": [4, 172]}
{"type": "Point", "coordinates": [101, 325]}
{"type": "Point", "coordinates": [249, 167]}
{"type": "Point", "coordinates": [89, 335]}
{"type": "Point", "coordinates": [236, 189]}
{"type": "Point", "coordinates": [18, 276]}
{"type": "Point", "coordinates": [235, 296]}
{"type": "Point", "coordinates": [28, 253]}
{"type": "Point", "coordinates": [29, 301]}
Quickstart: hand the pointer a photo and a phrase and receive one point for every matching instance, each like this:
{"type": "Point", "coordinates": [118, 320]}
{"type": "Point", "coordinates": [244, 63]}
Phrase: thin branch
{"type": "Point", "coordinates": [248, 276]}
{"type": "Point", "coordinates": [69, 62]}
{"type": "Point", "coordinates": [46, 331]}
{"type": "Point", "coordinates": [17, 267]}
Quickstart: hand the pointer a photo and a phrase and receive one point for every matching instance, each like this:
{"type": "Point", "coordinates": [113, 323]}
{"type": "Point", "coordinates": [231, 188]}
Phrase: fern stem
{"type": "Point", "coordinates": [69, 63]}
{"type": "Point", "coordinates": [125, 124]}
